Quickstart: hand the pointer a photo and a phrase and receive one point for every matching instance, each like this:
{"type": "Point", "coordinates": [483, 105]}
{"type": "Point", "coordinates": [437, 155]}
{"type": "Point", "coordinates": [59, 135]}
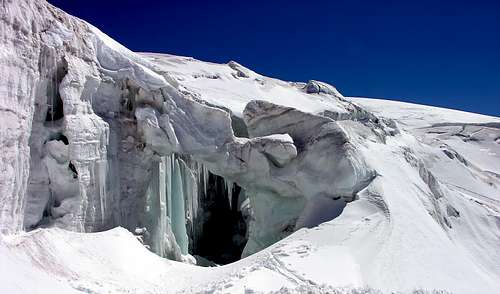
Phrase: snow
{"type": "Point", "coordinates": [341, 195]}
{"type": "Point", "coordinates": [218, 85]}
{"type": "Point", "coordinates": [411, 115]}
{"type": "Point", "coordinates": [121, 62]}
{"type": "Point", "coordinates": [260, 280]}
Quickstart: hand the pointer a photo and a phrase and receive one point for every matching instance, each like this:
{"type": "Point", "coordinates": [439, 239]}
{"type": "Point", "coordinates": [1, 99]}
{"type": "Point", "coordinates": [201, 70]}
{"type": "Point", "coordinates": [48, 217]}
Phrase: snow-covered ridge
{"type": "Point", "coordinates": [104, 149]}
{"type": "Point", "coordinates": [232, 86]}
{"type": "Point", "coordinates": [412, 115]}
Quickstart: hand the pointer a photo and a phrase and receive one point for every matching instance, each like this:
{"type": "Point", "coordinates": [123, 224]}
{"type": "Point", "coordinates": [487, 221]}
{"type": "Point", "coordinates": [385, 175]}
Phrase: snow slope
{"type": "Point", "coordinates": [381, 196]}
{"type": "Point", "coordinates": [412, 116]}
{"type": "Point", "coordinates": [233, 86]}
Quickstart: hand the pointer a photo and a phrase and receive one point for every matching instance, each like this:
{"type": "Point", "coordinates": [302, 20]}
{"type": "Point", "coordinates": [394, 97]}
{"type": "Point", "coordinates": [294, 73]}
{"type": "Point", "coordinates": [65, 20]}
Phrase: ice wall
{"type": "Point", "coordinates": [20, 76]}
{"type": "Point", "coordinates": [35, 39]}
{"type": "Point", "coordinates": [52, 82]}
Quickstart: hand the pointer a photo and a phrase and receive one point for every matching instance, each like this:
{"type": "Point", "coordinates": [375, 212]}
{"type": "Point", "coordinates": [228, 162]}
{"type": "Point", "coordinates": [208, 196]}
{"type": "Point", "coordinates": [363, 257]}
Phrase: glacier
{"type": "Point", "coordinates": [152, 173]}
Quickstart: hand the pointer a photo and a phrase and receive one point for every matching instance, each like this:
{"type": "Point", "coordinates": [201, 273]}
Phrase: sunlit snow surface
{"type": "Point", "coordinates": [403, 250]}
{"type": "Point", "coordinates": [219, 84]}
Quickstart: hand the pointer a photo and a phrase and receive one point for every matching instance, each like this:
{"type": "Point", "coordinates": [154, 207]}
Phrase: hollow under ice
{"type": "Point", "coordinates": [204, 212]}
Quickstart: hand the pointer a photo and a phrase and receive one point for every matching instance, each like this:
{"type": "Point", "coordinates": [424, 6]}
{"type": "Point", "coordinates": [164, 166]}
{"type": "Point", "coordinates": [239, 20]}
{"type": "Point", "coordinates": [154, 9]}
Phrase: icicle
{"type": "Point", "coordinates": [190, 190]}
{"type": "Point", "coordinates": [229, 188]}
{"type": "Point", "coordinates": [52, 86]}
{"type": "Point", "coordinates": [163, 205]}
{"type": "Point", "coordinates": [205, 180]}
{"type": "Point", "coordinates": [194, 205]}
{"type": "Point", "coordinates": [178, 209]}
{"type": "Point", "coordinates": [168, 184]}
{"type": "Point", "coordinates": [89, 196]}
{"type": "Point", "coordinates": [101, 176]}
{"type": "Point", "coordinates": [156, 210]}
{"type": "Point", "coordinates": [54, 90]}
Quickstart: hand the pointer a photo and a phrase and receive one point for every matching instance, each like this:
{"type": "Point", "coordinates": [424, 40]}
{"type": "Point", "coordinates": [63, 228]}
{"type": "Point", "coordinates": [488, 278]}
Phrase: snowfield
{"type": "Point", "coordinates": [121, 171]}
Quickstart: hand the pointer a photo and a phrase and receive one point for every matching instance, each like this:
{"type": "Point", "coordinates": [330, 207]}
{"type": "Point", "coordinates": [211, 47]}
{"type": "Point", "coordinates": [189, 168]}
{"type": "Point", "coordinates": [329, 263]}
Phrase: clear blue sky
{"type": "Point", "coordinates": [443, 53]}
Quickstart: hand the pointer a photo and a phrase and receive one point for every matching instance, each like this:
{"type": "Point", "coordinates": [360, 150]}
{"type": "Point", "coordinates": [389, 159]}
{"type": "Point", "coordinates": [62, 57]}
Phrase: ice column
{"type": "Point", "coordinates": [168, 192]}
{"type": "Point", "coordinates": [191, 200]}
{"type": "Point", "coordinates": [156, 210]}
{"type": "Point", "coordinates": [176, 205]}
{"type": "Point", "coordinates": [101, 168]}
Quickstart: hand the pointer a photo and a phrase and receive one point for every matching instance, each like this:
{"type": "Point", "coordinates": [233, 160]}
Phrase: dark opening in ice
{"type": "Point", "coordinates": [223, 227]}
{"type": "Point", "coordinates": [55, 109]}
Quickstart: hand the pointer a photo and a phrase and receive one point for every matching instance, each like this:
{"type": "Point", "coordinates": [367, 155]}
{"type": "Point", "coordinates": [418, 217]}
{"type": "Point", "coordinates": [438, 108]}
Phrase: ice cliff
{"type": "Point", "coordinates": [208, 163]}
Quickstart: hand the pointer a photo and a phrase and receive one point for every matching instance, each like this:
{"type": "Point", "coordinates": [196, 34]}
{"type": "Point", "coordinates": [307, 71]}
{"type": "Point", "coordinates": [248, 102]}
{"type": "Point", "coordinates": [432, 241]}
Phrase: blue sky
{"type": "Point", "coordinates": [443, 53]}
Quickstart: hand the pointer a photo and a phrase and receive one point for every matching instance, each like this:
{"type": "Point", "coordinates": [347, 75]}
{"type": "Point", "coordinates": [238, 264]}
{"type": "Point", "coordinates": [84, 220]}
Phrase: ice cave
{"type": "Point", "coordinates": [207, 215]}
{"type": "Point", "coordinates": [194, 181]}
{"type": "Point", "coordinates": [125, 172]}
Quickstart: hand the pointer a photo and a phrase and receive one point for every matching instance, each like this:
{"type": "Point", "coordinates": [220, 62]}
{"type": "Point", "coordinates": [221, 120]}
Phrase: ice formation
{"type": "Point", "coordinates": [208, 163]}
{"type": "Point", "coordinates": [85, 100]}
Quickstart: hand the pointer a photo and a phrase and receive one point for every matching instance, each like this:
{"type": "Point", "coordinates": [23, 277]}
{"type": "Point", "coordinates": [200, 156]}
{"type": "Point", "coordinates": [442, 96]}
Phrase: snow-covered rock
{"type": "Point", "coordinates": [316, 87]}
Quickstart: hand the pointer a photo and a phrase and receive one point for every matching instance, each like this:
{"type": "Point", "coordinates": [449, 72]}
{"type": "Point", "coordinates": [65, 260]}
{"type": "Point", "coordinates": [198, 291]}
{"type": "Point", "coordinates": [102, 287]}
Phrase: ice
{"type": "Point", "coordinates": [120, 62]}
{"type": "Point", "coordinates": [176, 203]}
{"type": "Point", "coordinates": [334, 194]}
{"type": "Point", "coordinates": [159, 233]}
{"type": "Point", "coordinates": [173, 200]}
{"type": "Point", "coordinates": [222, 91]}
{"type": "Point", "coordinates": [229, 189]}
{"type": "Point", "coordinates": [102, 173]}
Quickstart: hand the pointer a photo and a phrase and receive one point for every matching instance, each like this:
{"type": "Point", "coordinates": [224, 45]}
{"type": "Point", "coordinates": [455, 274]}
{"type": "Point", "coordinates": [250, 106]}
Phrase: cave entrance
{"type": "Point", "coordinates": [222, 222]}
